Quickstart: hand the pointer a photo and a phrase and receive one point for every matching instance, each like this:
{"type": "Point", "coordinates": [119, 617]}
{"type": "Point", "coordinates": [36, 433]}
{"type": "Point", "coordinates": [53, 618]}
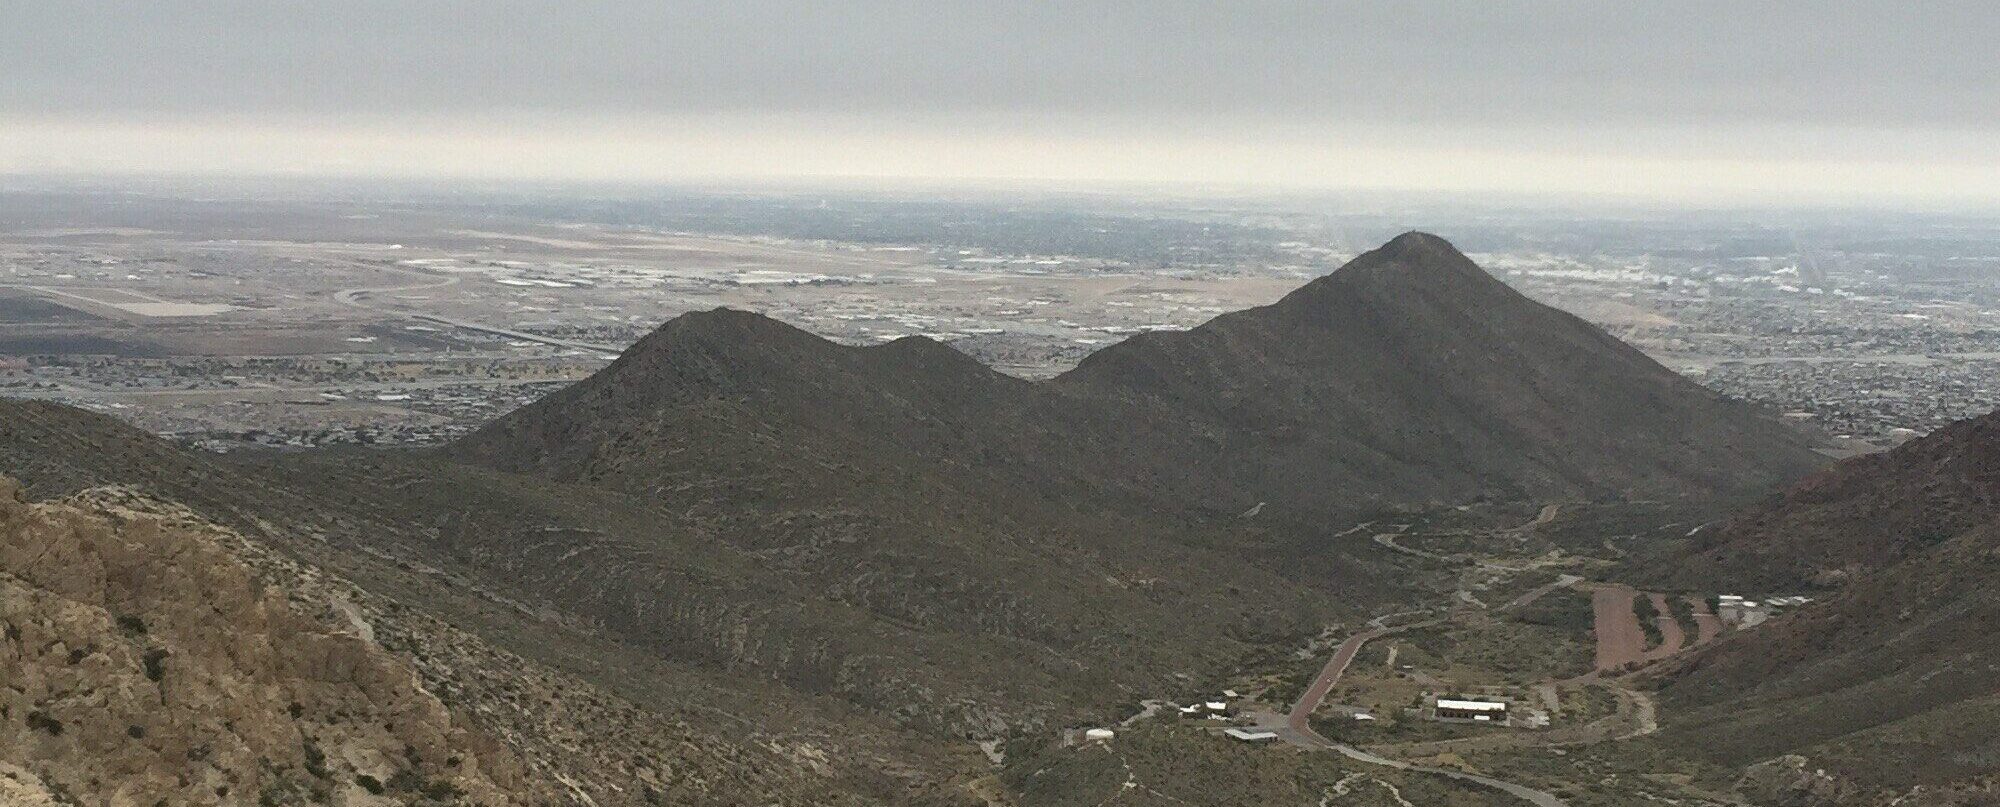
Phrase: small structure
{"type": "Point", "coordinates": [1218, 707]}
{"type": "Point", "coordinates": [1748, 613]}
{"type": "Point", "coordinates": [1100, 735]}
{"type": "Point", "coordinates": [1469, 711]}
{"type": "Point", "coordinates": [1251, 735]}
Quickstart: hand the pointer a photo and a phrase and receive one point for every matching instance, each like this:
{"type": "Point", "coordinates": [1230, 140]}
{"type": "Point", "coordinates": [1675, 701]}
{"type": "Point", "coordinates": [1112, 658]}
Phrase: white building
{"type": "Point", "coordinates": [1470, 710]}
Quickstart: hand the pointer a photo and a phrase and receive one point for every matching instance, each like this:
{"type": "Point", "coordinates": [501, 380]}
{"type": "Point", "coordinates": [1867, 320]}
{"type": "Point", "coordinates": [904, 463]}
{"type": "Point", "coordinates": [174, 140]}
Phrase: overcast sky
{"type": "Point", "coordinates": [1848, 100]}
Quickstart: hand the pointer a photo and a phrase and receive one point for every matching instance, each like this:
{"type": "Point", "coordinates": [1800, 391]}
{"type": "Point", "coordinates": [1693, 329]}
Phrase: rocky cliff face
{"type": "Point", "coordinates": [144, 663]}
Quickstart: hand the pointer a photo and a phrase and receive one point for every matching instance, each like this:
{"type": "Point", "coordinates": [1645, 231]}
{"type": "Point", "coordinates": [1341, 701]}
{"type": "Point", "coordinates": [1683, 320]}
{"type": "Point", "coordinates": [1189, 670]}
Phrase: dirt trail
{"type": "Point", "coordinates": [1707, 625]}
{"type": "Point", "coordinates": [1620, 640]}
{"type": "Point", "coordinates": [1672, 637]}
{"type": "Point", "coordinates": [1547, 514]}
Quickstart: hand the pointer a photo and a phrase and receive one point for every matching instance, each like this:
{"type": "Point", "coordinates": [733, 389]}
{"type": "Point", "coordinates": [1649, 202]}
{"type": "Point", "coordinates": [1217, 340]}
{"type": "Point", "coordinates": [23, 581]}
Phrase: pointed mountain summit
{"type": "Point", "coordinates": [1411, 374]}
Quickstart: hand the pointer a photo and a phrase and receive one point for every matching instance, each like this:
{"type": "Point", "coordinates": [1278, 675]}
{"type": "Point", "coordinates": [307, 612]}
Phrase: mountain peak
{"type": "Point", "coordinates": [1412, 255]}
{"type": "Point", "coordinates": [1418, 241]}
{"type": "Point", "coordinates": [1411, 269]}
{"type": "Point", "coordinates": [724, 321]}
{"type": "Point", "coordinates": [723, 332]}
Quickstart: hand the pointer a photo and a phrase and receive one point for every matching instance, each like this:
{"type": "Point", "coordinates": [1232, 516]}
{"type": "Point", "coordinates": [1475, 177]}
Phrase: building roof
{"type": "Point", "coordinates": [1471, 706]}
{"type": "Point", "coordinates": [1253, 736]}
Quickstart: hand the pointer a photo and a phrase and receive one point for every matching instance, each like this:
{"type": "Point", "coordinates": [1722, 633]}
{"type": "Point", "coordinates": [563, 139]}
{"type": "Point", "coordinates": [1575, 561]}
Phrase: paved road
{"type": "Point", "coordinates": [1329, 675]}
{"type": "Point", "coordinates": [1548, 513]}
{"type": "Point", "coordinates": [1300, 718]}
{"type": "Point", "coordinates": [1304, 736]}
{"type": "Point", "coordinates": [1539, 798]}
{"type": "Point", "coordinates": [612, 350]}
{"type": "Point", "coordinates": [1298, 723]}
{"type": "Point", "coordinates": [1388, 541]}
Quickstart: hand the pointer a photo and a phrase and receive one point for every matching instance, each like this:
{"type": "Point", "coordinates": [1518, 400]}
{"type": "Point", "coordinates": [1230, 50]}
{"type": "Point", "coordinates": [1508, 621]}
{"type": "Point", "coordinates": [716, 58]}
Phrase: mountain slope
{"type": "Point", "coordinates": [882, 633]}
{"type": "Point", "coordinates": [1867, 512]}
{"type": "Point", "coordinates": [446, 566]}
{"type": "Point", "coordinates": [1410, 374]}
{"type": "Point", "coordinates": [921, 511]}
{"type": "Point", "coordinates": [144, 662]}
{"type": "Point", "coordinates": [1407, 376]}
{"type": "Point", "coordinates": [819, 569]}
{"type": "Point", "coordinates": [1890, 682]}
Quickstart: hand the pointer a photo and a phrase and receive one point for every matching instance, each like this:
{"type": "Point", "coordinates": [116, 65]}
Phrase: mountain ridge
{"type": "Point", "coordinates": [1216, 398]}
{"type": "Point", "coordinates": [1868, 512]}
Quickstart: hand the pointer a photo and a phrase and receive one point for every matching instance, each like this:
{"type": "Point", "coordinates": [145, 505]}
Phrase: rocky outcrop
{"type": "Point", "coordinates": [143, 663]}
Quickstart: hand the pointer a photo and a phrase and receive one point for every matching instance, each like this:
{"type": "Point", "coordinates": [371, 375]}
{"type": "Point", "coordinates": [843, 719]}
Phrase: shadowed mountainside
{"type": "Point", "coordinates": [604, 718]}
{"type": "Point", "coordinates": [1407, 376]}
{"type": "Point", "coordinates": [1410, 374]}
{"type": "Point", "coordinates": [1888, 683]}
{"type": "Point", "coordinates": [1865, 513]}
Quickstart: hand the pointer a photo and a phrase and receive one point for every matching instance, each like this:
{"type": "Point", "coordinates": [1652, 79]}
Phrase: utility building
{"type": "Point", "coordinates": [1470, 711]}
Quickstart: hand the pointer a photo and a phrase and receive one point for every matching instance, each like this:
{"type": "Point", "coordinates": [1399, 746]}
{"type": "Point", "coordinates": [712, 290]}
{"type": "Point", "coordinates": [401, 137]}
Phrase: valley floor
{"type": "Point", "coordinates": [1533, 617]}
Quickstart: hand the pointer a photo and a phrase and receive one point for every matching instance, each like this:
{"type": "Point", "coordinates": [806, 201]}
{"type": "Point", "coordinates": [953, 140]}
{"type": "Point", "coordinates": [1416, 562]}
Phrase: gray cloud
{"type": "Point", "coordinates": [1857, 80]}
{"type": "Point", "coordinates": [1847, 63]}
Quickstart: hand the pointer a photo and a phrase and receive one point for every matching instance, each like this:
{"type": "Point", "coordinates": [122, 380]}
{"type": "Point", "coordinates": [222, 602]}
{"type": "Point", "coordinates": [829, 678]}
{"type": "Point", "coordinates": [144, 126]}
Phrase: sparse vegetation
{"type": "Point", "coordinates": [1649, 622]}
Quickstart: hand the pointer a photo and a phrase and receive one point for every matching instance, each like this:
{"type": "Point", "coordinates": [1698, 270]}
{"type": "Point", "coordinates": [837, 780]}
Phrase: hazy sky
{"type": "Point", "coordinates": [1844, 100]}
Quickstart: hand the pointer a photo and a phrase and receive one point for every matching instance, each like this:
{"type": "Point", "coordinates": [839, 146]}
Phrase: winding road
{"type": "Point", "coordinates": [1298, 728]}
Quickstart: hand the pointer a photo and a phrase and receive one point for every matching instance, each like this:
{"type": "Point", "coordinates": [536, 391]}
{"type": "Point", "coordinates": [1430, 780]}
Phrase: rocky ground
{"type": "Point", "coordinates": [148, 664]}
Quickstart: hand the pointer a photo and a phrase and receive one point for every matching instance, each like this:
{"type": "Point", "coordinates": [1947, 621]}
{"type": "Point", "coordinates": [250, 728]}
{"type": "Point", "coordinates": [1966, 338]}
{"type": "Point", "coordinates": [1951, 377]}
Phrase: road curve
{"type": "Point", "coordinates": [1539, 798]}
{"type": "Point", "coordinates": [1298, 723]}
